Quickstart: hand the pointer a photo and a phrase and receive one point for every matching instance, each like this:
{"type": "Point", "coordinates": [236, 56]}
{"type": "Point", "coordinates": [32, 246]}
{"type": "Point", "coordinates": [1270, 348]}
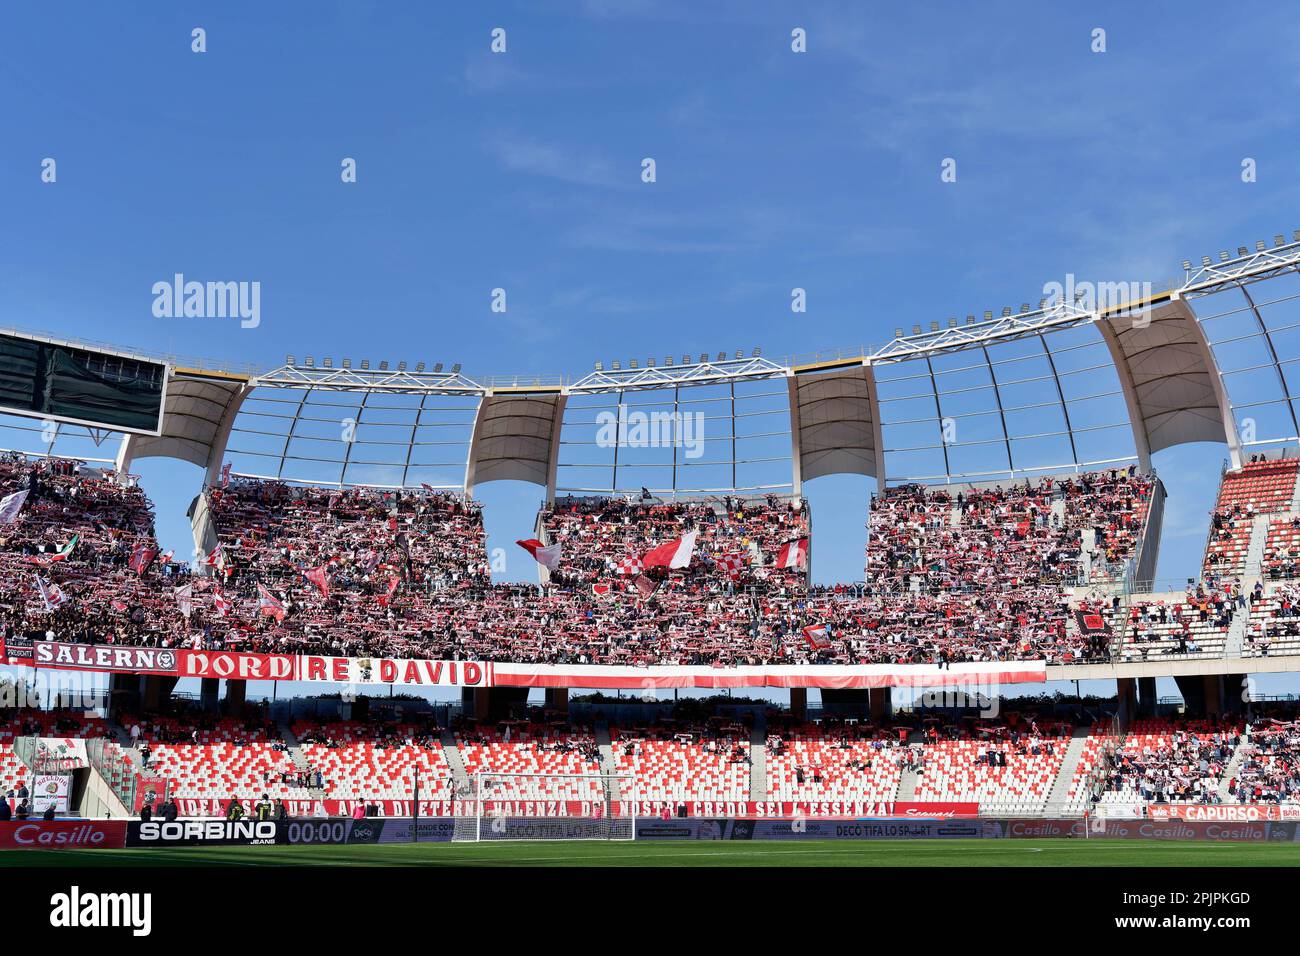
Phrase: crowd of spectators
{"type": "Point", "coordinates": [79, 529]}
{"type": "Point", "coordinates": [1270, 768]}
{"type": "Point", "coordinates": [968, 576]}
{"type": "Point", "coordinates": [1172, 762]}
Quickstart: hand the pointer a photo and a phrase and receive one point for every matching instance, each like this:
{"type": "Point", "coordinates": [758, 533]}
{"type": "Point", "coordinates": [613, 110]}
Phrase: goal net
{"type": "Point", "coordinates": [544, 806]}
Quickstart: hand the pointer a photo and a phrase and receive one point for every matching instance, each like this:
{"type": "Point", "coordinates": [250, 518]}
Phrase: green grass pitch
{"type": "Point", "coordinates": [909, 853]}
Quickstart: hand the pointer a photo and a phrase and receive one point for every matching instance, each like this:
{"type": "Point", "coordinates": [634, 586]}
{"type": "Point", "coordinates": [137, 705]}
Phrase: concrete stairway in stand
{"type": "Point", "coordinates": [459, 776]}
{"type": "Point", "coordinates": [758, 762]}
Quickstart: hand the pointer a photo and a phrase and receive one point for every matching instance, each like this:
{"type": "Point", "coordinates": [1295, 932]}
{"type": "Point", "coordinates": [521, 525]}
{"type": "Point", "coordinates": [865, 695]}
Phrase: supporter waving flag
{"type": "Point", "coordinates": [62, 554]}
{"type": "Point", "coordinates": [731, 565]}
{"type": "Point", "coordinates": [645, 585]}
{"type": "Point", "coordinates": [672, 554]}
{"type": "Point", "coordinates": [185, 600]}
{"type": "Point", "coordinates": [217, 558]}
{"type": "Point", "coordinates": [51, 593]}
{"type": "Point", "coordinates": [219, 603]}
{"type": "Point", "coordinates": [319, 576]}
{"type": "Point", "coordinates": [817, 636]}
{"type": "Point", "coordinates": [10, 505]}
{"type": "Point", "coordinates": [393, 581]}
{"type": "Point", "coordinates": [269, 604]}
{"type": "Point", "coordinates": [547, 556]}
{"type": "Point", "coordinates": [793, 554]}
{"type": "Point", "coordinates": [629, 566]}
{"type": "Point", "coordinates": [141, 558]}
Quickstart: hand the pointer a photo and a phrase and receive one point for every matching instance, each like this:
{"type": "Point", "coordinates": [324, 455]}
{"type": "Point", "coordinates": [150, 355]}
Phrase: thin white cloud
{"type": "Point", "coordinates": [534, 157]}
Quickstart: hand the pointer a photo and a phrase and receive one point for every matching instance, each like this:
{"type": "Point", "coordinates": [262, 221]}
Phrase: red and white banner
{"type": "Point", "coordinates": [63, 835]}
{"type": "Point", "coordinates": [439, 673]}
{"type": "Point", "coordinates": [747, 809]}
{"type": "Point", "coordinates": [1224, 812]}
{"type": "Point", "coordinates": [388, 670]}
{"type": "Point", "coordinates": [836, 676]}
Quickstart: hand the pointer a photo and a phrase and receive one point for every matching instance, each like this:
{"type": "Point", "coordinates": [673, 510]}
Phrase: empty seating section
{"type": "Point", "coordinates": [1006, 773]}
{"type": "Point", "coordinates": [1171, 761]}
{"type": "Point", "coordinates": [1257, 488]}
{"type": "Point", "coordinates": [681, 765]}
{"type": "Point", "coordinates": [522, 748]}
{"type": "Point", "coordinates": [807, 763]}
{"type": "Point", "coordinates": [219, 759]}
{"type": "Point", "coordinates": [367, 762]}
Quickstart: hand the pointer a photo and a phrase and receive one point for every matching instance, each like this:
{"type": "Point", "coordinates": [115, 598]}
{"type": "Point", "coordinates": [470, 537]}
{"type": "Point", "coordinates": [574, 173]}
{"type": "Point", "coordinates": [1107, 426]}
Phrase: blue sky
{"type": "Point", "coordinates": [522, 170]}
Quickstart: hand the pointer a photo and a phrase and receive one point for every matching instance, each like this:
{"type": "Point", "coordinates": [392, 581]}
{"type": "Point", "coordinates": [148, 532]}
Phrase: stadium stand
{"type": "Point", "coordinates": [374, 761]}
{"type": "Point", "coordinates": [1169, 761]}
{"type": "Point", "coordinates": [857, 762]}
{"type": "Point", "coordinates": [207, 759]}
{"type": "Point", "coordinates": [518, 747]}
{"type": "Point", "coordinates": [1257, 488]}
{"type": "Point", "coordinates": [80, 530]}
{"type": "Point", "coordinates": [682, 763]}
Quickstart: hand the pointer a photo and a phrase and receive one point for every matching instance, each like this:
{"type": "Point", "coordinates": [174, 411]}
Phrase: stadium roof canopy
{"type": "Point", "coordinates": [1050, 389]}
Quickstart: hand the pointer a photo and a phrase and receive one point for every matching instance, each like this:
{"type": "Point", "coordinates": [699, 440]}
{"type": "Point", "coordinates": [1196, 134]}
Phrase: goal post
{"type": "Point", "coordinates": [545, 806]}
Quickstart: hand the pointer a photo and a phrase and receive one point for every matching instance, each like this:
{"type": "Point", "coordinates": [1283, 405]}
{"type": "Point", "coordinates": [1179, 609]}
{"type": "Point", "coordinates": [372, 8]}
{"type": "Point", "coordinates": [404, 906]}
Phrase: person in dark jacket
{"type": "Point", "coordinates": [49, 813]}
{"type": "Point", "coordinates": [6, 811]}
{"type": "Point", "coordinates": [170, 811]}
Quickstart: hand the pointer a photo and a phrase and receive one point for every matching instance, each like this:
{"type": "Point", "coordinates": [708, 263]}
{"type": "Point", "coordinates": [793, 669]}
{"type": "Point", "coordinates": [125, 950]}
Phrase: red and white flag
{"type": "Point", "coordinates": [320, 577]}
{"type": "Point", "coordinates": [269, 604]}
{"type": "Point", "coordinates": [220, 604]}
{"type": "Point", "coordinates": [629, 566]}
{"type": "Point", "coordinates": [10, 505]}
{"type": "Point", "coordinates": [817, 636]}
{"type": "Point", "coordinates": [225, 475]}
{"type": "Point", "coordinates": [793, 554]}
{"type": "Point", "coordinates": [548, 556]}
{"type": "Point", "coordinates": [217, 559]}
{"type": "Point", "coordinates": [185, 599]}
{"type": "Point", "coordinates": [602, 590]}
{"type": "Point", "coordinates": [731, 565]}
{"type": "Point", "coordinates": [672, 554]}
{"type": "Point", "coordinates": [141, 558]}
{"type": "Point", "coordinates": [51, 593]}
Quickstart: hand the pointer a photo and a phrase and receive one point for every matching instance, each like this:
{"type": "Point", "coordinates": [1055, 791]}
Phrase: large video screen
{"type": "Point", "coordinates": [69, 384]}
